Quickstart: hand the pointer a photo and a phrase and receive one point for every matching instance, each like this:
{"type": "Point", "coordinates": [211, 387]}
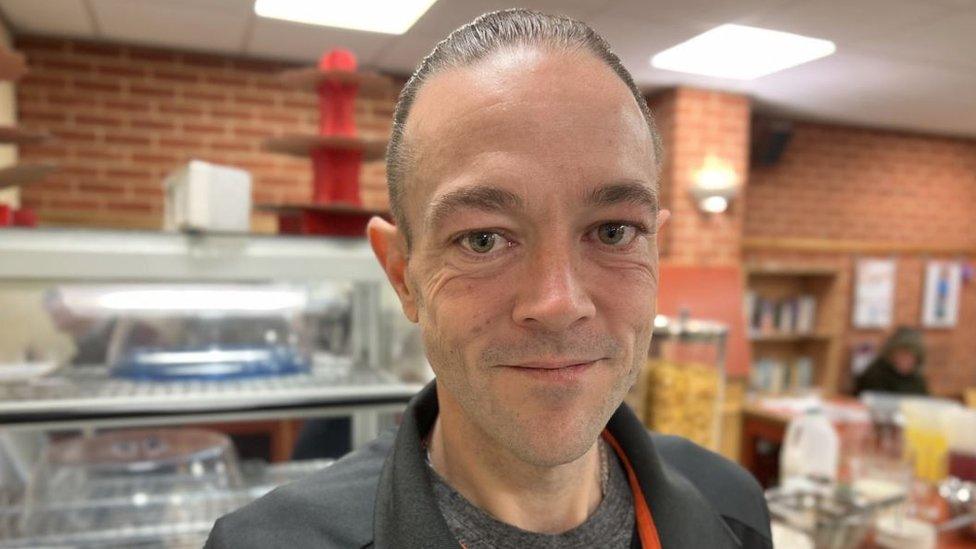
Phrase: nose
{"type": "Point", "coordinates": [552, 296]}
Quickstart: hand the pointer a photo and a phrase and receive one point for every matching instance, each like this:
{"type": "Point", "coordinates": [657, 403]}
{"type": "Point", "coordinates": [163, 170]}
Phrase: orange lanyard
{"type": "Point", "coordinates": [645, 522]}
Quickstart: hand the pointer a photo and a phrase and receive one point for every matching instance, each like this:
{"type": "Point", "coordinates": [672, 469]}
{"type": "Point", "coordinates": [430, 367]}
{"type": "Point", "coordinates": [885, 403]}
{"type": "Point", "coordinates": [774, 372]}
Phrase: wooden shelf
{"type": "Point", "coordinates": [790, 338]}
{"type": "Point", "coordinates": [337, 208]}
{"type": "Point", "coordinates": [303, 145]}
{"type": "Point", "coordinates": [22, 174]}
{"type": "Point", "coordinates": [13, 65]}
{"type": "Point", "coordinates": [786, 270]}
{"type": "Point", "coordinates": [370, 84]}
{"type": "Point", "coordinates": [19, 136]}
{"type": "Point", "coordinates": [825, 245]}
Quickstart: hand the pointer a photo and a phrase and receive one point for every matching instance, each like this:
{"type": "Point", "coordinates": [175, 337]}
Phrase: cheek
{"type": "Point", "coordinates": [463, 310]}
{"type": "Point", "coordinates": [626, 296]}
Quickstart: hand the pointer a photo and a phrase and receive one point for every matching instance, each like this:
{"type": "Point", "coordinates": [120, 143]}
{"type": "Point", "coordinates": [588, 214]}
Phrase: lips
{"type": "Point", "coordinates": [555, 364]}
{"type": "Point", "coordinates": [557, 371]}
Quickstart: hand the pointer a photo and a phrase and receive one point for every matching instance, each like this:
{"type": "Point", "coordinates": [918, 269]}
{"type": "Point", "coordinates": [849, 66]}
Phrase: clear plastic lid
{"type": "Point", "coordinates": [171, 333]}
{"type": "Point", "coordinates": [165, 461]}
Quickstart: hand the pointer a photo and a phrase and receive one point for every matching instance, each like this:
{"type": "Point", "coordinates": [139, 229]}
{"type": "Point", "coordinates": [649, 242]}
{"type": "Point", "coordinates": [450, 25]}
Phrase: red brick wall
{"type": "Point", "coordinates": [697, 125]}
{"type": "Point", "coordinates": [871, 187]}
{"type": "Point", "coordinates": [126, 116]}
{"type": "Point", "coordinates": [858, 184]}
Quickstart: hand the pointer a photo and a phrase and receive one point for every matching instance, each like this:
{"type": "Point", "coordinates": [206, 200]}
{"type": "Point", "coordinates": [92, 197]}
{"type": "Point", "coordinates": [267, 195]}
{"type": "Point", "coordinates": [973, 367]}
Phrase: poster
{"type": "Point", "coordinates": [874, 293]}
{"type": "Point", "coordinates": [940, 307]}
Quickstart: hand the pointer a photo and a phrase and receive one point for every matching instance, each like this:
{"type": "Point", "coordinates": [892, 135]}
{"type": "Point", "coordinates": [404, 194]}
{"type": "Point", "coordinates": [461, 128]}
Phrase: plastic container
{"type": "Point", "coordinates": [681, 388]}
{"type": "Point", "coordinates": [180, 333]}
{"type": "Point", "coordinates": [76, 479]}
{"type": "Point", "coordinates": [811, 448]}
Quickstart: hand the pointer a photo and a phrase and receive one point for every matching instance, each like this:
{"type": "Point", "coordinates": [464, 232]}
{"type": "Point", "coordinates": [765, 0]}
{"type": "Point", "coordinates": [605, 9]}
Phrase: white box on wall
{"type": "Point", "coordinates": [208, 197]}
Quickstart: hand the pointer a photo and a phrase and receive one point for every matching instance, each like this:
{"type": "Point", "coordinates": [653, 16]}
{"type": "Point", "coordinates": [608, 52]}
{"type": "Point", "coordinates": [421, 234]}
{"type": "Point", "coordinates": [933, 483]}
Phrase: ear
{"type": "Point", "coordinates": [390, 249]}
{"type": "Point", "coordinates": [662, 217]}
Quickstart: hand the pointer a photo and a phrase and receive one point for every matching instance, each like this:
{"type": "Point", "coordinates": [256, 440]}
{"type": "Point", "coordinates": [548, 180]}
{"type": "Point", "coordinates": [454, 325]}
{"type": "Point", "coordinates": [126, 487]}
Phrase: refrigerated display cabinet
{"type": "Point", "coordinates": [107, 330]}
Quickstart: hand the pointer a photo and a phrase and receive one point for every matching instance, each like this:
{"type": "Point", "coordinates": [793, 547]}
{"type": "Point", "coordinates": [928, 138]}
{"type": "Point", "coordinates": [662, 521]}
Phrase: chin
{"type": "Point", "coordinates": [547, 441]}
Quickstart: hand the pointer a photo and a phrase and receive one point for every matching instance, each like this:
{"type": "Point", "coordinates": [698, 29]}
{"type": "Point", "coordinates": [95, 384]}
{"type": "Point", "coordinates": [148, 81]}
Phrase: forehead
{"type": "Point", "coordinates": [529, 118]}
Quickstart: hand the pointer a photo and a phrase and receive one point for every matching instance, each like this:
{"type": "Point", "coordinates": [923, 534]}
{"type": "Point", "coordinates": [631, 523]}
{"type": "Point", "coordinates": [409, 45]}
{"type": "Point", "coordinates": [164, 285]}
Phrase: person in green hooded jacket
{"type": "Point", "coordinates": [898, 366]}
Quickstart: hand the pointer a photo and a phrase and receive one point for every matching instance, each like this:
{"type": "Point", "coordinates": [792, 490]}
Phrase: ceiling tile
{"type": "Point", "coordinates": [949, 41]}
{"type": "Point", "coordinates": [847, 22]}
{"type": "Point", "coordinates": [300, 42]}
{"type": "Point", "coordinates": [64, 18]}
{"type": "Point", "coordinates": [211, 25]}
{"type": "Point", "coordinates": [706, 13]}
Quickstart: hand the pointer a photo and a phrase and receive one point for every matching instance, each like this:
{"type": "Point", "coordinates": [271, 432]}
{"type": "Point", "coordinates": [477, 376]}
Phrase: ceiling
{"type": "Point", "coordinates": [906, 64]}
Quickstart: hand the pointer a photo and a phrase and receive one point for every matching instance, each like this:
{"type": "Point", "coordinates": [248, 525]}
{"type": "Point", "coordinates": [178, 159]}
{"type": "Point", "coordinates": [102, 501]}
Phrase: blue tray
{"type": "Point", "coordinates": [211, 364]}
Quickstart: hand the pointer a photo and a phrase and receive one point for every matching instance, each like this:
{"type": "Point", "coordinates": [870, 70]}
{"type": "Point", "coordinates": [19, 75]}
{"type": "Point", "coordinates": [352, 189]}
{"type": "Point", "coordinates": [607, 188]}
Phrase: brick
{"type": "Point", "coordinates": [99, 120]}
{"type": "Point", "coordinates": [96, 153]}
{"type": "Point", "coordinates": [103, 85]}
{"type": "Point", "coordinates": [203, 95]}
{"type": "Point", "coordinates": [74, 134]}
{"type": "Point", "coordinates": [74, 101]}
{"type": "Point", "coordinates": [36, 80]}
{"type": "Point", "coordinates": [151, 92]}
{"type": "Point", "coordinates": [257, 66]}
{"type": "Point", "coordinates": [127, 139]}
{"type": "Point", "coordinates": [126, 105]}
{"type": "Point", "coordinates": [175, 76]}
{"type": "Point", "coordinates": [228, 80]}
{"type": "Point", "coordinates": [263, 100]}
{"type": "Point", "coordinates": [89, 188]}
{"type": "Point", "coordinates": [121, 71]}
{"type": "Point", "coordinates": [181, 143]}
{"type": "Point", "coordinates": [151, 124]}
{"type": "Point", "coordinates": [180, 109]}
{"type": "Point", "coordinates": [203, 129]}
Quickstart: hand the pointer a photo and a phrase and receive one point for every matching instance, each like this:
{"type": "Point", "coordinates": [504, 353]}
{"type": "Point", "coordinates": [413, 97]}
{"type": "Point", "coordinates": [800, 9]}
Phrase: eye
{"type": "Point", "coordinates": [481, 242]}
{"type": "Point", "coordinates": [616, 234]}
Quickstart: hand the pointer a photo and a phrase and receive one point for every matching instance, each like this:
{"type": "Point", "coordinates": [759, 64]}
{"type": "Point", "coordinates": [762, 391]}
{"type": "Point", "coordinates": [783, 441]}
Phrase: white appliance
{"type": "Point", "coordinates": [208, 197]}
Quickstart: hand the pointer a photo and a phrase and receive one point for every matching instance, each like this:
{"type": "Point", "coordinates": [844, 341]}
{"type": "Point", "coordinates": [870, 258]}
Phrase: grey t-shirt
{"type": "Point", "coordinates": [611, 525]}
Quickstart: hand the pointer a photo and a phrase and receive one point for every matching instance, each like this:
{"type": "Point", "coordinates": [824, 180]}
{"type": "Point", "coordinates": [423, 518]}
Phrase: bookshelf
{"type": "Point", "coordinates": [794, 323]}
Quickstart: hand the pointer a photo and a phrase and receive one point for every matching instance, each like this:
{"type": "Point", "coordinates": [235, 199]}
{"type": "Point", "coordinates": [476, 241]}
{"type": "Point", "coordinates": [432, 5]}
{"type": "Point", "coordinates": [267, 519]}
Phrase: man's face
{"type": "Point", "coordinates": [904, 360]}
{"type": "Point", "coordinates": [533, 268]}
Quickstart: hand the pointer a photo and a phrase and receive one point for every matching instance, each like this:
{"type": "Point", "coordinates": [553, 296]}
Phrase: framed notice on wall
{"type": "Point", "coordinates": [874, 293]}
{"type": "Point", "coordinates": [940, 306]}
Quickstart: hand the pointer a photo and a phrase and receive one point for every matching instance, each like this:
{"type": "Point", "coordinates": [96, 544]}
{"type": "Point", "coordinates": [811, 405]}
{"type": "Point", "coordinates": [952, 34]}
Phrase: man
{"type": "Point", "coordinates": [523, 181]}
{"type": "Point", "coordinates": [898, 368]}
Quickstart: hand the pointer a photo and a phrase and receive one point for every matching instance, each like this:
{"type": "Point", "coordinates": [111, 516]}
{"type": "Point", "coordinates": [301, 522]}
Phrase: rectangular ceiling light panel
{"type": "Point", "coordinates": [742, 53]}
{"type": "Point", "coordinates": [385, 16]}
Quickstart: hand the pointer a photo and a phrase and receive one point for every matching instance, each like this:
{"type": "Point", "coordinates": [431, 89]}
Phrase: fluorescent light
{"type": "Point", "coordinates": [742, 53]}
{"type": "Point", "coordinates": [386, 16]}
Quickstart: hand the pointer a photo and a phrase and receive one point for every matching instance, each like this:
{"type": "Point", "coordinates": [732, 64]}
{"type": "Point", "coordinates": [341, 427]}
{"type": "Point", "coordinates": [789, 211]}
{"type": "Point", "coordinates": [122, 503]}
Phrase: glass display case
{"type": "Point", "coordinates": [148, 487]}
{"type": "Point", "coordinates": [104, 332]}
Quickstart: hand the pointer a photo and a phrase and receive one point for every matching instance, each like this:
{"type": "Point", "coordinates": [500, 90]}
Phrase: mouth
{"type": "Point", "coordinates": [562, 371]}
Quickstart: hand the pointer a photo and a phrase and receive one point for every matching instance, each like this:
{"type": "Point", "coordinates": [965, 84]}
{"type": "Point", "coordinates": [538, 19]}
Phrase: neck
{"type": "Point", "coordinates": [535, 498]}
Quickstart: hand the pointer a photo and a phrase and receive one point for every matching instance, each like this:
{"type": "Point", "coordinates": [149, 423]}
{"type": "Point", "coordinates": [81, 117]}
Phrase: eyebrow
{"type": "Point", "coordinates": [479, 197]}
{"type": "Point", "coordinates": [633, 192]}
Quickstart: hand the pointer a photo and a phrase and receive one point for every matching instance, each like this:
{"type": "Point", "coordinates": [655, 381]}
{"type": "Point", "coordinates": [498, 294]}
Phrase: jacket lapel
{"type": "Point", "coordinates": [682, 515]}
{"type": "Point", "coordinates": [406, 512]}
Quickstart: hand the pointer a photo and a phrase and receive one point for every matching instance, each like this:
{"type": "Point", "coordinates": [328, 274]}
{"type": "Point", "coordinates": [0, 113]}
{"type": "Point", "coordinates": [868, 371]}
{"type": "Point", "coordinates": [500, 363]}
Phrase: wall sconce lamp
{"type": "Point", "coordinates": [715, 185]}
